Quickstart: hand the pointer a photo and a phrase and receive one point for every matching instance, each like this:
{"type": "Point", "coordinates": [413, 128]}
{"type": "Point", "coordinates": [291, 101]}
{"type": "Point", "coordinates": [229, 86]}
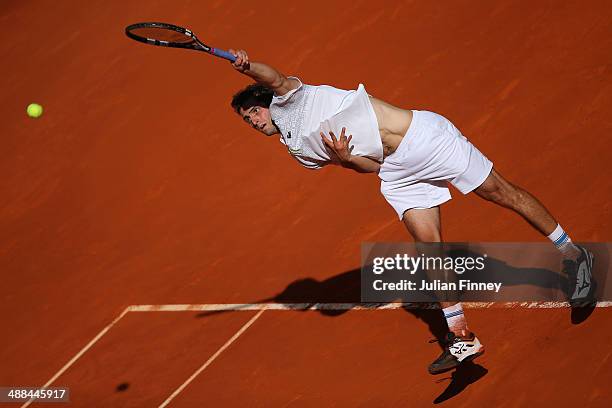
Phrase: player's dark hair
{"type": "Point", "coordinates": [252, 95]}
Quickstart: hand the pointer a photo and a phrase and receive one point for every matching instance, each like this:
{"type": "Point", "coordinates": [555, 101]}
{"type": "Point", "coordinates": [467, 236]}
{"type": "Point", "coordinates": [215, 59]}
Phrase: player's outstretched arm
{"type": "Point", "coordinates": [340, 151]}
{"type": "Point", "coordinates": [262, 73]}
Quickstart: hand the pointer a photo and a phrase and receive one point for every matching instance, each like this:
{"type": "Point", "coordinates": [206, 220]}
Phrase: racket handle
{"type": "Point", "coordinates": [222, 54]}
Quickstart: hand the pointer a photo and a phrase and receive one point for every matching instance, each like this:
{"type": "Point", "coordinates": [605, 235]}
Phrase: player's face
{"type": "Point", "coordinates": [259, 118]}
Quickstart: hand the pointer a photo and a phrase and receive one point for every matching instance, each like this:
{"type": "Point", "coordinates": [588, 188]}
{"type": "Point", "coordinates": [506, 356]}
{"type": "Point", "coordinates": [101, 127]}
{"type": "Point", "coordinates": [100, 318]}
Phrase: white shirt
{"type": "Point", "coordinates": [302, 113]}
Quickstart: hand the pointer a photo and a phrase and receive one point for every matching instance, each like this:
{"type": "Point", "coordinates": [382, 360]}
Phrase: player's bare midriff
{"type": "Point", "coordinates": [393, 123]}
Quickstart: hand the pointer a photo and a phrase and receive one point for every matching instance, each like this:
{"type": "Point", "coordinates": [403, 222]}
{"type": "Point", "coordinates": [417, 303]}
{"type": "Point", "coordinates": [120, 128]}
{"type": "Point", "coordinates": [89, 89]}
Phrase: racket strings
{"type": "Point", "coordinates": [162, 34]}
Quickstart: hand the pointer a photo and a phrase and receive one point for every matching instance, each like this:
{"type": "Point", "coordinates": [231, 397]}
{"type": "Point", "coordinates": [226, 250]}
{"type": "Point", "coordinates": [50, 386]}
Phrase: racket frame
{"type": "Point", "coordinates": [195, 44]}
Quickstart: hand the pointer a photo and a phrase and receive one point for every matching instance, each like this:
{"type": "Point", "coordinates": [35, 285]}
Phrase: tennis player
{"type": "Point", "coordinates": [415, 154]}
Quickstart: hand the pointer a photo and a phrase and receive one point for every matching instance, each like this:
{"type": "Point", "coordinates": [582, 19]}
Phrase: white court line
{"type": "Point", "coordinates": [80, 353]}
{"type": "Point", "coordinates": [261, 307]}
{"type": "Point", "coordinates": [212, 358]}
{"type": "Point", "coordinates": [342, 306]}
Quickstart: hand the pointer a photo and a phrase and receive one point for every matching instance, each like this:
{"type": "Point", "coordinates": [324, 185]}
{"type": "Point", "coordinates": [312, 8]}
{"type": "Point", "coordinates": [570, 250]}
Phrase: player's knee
{"type": "Point", "coordinates": [491, 192]}
{"type": "Point", "coordinates": [501, 192]}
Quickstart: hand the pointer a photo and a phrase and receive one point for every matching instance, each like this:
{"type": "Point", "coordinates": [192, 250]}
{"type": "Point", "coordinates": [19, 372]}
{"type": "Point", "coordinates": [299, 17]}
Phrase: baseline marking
{"type": "Point", "coordinates": [222, 307]}
{"type": "Point", "coordinates": [212, 358]}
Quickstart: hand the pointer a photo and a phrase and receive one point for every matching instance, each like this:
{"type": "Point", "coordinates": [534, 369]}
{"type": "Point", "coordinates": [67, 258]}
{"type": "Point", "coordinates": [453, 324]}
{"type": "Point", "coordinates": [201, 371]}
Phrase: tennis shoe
{"type": "Point", "coordinates": [582, 285]}
{"type": "Point", "coordinates": [456, 351]}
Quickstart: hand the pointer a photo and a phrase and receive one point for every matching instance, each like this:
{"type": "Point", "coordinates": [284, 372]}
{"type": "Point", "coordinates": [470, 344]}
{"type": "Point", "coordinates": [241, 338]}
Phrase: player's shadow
{"type": "Point", "coordinates": [535, 283]}
{"type": "Point", "coordinates": [555, 285]}
{"type": "Point", "coordinates": [346, 288]}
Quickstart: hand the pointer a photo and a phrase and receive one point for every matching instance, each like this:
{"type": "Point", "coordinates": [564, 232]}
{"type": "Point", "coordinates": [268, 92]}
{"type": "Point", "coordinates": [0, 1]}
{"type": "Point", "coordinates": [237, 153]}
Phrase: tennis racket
{"type": "Point", "coordinates": [170, 35]}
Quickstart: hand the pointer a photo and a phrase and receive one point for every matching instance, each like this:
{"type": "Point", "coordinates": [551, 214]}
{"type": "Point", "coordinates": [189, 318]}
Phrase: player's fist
{"type": "Point", "coordinates": [242, 60]}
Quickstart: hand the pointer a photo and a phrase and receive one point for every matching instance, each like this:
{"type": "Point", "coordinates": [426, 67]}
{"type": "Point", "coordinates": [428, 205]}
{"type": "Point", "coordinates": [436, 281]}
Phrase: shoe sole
{"type": "Point", "coordinates": [590, 299]}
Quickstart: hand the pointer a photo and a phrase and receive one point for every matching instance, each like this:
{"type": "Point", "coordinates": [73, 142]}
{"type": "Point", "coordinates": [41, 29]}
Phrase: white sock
{"type": "Point", "coordinates": [563, 243]}
{"type": "Point", "coordinates": [455, 319]}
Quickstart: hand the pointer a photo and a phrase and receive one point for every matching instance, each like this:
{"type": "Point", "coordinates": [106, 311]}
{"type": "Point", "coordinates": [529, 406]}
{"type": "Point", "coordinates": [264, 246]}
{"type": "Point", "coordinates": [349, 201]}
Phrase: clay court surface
{"type": "Point", "coordinates": [140, 186]}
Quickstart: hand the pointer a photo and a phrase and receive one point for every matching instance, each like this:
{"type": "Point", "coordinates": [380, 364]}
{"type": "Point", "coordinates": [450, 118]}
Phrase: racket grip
{"type": "Point", "coordinates": [222, 54]}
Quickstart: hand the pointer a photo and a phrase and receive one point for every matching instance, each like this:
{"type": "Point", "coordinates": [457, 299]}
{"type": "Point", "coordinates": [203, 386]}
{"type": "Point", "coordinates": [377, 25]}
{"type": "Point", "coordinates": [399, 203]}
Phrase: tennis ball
{"type": "Point", "coordinates": [34, 110]}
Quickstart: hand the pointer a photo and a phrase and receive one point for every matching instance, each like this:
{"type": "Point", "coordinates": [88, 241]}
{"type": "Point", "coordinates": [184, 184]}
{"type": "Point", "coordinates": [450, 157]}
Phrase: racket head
{"type": "Point", "coordinates": [165, 35]}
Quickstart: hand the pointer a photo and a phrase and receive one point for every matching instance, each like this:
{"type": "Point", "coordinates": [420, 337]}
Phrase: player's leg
{"type": "Point", "coordinates": [414, 183]}
{"type": "Point", "coordinates": [460, 344]}
{"type": "Point", "coordinates": [425, 227]}
{"type": "Point", "coordinates": [578, 261]}
{"type": "Point", "coordinates": [500, 191]}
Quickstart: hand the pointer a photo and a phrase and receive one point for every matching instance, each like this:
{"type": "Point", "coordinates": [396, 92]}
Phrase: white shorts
{"type": "Point", "coordinates": [432, 153]}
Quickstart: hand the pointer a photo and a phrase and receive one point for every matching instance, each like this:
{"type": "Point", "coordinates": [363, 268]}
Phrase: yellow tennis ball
{"type": "Point", "coordinates": [34, 110]}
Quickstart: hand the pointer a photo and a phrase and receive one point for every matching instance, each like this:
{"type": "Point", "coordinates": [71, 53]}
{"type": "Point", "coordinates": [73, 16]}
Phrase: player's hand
{"type": "Point", "coordinates": [339, 147]}
{"type": "Point", "coordinates": [242, 60]}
